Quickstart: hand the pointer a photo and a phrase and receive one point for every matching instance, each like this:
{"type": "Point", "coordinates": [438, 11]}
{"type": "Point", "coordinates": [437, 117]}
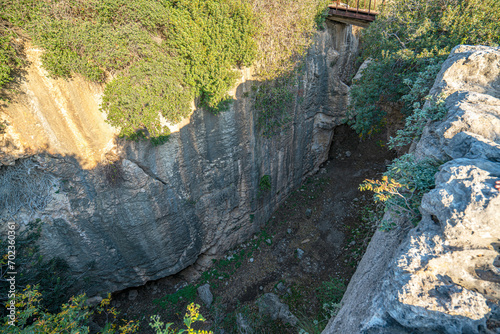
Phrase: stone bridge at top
{"type": "Point", "coordinates": [357, 12]}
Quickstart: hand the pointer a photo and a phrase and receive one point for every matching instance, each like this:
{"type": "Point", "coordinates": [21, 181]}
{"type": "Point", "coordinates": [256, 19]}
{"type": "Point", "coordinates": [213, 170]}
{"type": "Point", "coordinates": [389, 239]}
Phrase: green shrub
{"type": "Point", "coordinates": [265, 183]}
{"type": "Point", "coordinates": [192, 315]}
{"type": "Point", "coordinates": [185, 295]}
{"type": "Point", "coordinates": [331, 291]}
{"type": "Point", "coordinates": [9, 58]}
{"type": "Point", "coordinates": [211, 37]}
{"type": "Point", "coordinates": [414, 124]}
{"type": "Point", "coordinates": [159, 54]}
{"type": "Point", "coordinates": [147, 90]}
{"type": "Point", "coordinates": [403, 186]}
{"type": "Point", "coordinates": [73, 317]}
{"type": "Point", "coordinates": [51, 276]}
{"type": "Point", "coordinates": [408, 42]}
{"type": "Point", "coordinates": [274, 102]}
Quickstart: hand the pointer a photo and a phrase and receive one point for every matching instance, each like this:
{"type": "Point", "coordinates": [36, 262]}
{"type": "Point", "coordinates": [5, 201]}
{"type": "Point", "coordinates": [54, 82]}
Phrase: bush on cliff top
{"type": "Point", "coordinates": [157, 55]}
{"type": "Point", "coordinates": [9, 57]}
{"type": "Point", "coordinates": [408, 43]}
{"type": "Point", "coordinates": [286, 28]}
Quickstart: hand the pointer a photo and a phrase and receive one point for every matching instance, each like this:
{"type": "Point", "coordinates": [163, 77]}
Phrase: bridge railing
{"type": "Point", "coordinates": [358, 6]}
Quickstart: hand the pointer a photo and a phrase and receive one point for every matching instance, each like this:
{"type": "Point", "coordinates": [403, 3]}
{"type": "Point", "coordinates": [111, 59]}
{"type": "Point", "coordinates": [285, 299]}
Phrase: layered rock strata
{"type": "Point", "coordinates": [154, 211]}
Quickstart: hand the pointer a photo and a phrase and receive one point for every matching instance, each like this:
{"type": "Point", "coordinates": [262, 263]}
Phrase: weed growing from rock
{"type": "Point", "coordinates": [265, 183]}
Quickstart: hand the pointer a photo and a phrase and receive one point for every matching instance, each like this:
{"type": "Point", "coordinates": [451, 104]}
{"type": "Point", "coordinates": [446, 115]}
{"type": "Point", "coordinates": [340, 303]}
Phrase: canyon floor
{"type": "Point", "coordinates": [305, 254]}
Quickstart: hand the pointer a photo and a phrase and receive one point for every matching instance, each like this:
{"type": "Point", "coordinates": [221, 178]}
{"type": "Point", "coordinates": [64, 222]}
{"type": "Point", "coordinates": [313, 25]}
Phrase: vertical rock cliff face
{"type": "Point", "coordinates": [157, 210]}
{"type": "Point", "coordinates": [444, 275]}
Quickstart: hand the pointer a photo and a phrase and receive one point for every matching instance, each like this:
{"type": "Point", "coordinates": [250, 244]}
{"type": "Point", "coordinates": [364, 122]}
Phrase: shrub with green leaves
{"type": "Point", "coordinates": [9, 58]}
{"type": "Point", "coordinates": [73, 317]}
{"type": "Point", "coordinates": [414, 124]}
{"type": "Point", "coordinates": [265, 183]}
{"type": "Point", "coordinates": [403, 185]}
{"type": "Point", "coordinates": [330, 294]}
{"type": "Point", "coordinates": [51, 276]}
{"type": "Point", "coordinates": [147, 90]}
{"type": "Point", "coordinates": [408, 43]}
{"type": "Point", "coordinates": [274, 102]}
{"type": "Point", "coordinates": [155, 55]}
{"type": "Point", "coordinates": [211, 37]}
{"type": "Point", "coordinates": [172, 301]}
{"type": "Point", "coordinates": [192, 315]}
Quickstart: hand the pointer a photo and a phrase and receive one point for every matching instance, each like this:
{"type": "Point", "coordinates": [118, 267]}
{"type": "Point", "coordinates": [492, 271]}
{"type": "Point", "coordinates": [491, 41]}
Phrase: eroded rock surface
{"type": "Point", "coordinates": [158, 210]}
{"type": "Point", "coordinates": [55, 116]}
{"type": "Point", "coordinates": [444, 275]}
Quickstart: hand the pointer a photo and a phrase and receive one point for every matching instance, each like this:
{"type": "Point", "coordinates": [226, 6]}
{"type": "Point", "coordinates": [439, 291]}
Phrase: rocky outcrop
{"type": "Point", "coordinates": [444, 275]}
{"type": "Point", "coordinates": [157, 210]}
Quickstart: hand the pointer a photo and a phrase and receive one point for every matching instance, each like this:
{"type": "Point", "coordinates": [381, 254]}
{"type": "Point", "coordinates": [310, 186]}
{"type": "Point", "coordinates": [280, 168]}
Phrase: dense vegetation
{"type": "Point", "coordinates": [157, 56]}
{"type": "Point", "coordinates": [51, 276]}
{"type": "Point", "coordinates": [403, 186]}
{"type": "Point", "coordinates": [408, 43]}
{"type": "Point", "coordinates": [9, 58]}
{"type": "Point", "coordinates": [75, 315]}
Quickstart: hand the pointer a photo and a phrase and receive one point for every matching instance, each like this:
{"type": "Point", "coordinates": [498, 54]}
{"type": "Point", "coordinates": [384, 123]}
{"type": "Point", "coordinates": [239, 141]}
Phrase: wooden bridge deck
{"type": "Point", "coordinates": [351, 13]}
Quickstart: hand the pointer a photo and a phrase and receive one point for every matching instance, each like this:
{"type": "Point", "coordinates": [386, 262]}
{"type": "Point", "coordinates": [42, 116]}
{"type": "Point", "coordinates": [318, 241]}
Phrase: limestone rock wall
{"type": "Point", "coordinates": [444, 275]}
{"type": "Point", "coordinates": [158, 210]}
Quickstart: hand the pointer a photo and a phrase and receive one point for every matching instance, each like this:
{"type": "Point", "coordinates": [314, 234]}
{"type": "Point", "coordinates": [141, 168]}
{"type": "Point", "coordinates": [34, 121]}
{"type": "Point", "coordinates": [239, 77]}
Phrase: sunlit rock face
{"type": "Point", "coordinates": [158, 210]}
{"type": "Point", "coordinates": [444, 275]}
{"type": "Point", "coordinates": [55, 116]}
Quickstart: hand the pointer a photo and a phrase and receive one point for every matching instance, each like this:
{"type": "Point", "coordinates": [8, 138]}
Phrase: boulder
{"type": "Point", "coordinates": [271, 305]}
{"type": "Point", "coordinates": [205, 294]}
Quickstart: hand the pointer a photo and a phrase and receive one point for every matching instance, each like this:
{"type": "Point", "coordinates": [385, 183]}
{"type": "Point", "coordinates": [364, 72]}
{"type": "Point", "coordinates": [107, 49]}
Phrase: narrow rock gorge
{"type": "Point", "coordinates": [270, 225]}
{"type": "Point", "coordinates": [160, 209]}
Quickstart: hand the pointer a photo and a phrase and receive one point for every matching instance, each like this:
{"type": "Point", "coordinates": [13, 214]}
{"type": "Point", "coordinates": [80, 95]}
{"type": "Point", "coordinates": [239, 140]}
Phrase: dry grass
{"type": "Point", "coordinates": [111, 170]}
{"type": "Point", "coordinates": [286, 29]}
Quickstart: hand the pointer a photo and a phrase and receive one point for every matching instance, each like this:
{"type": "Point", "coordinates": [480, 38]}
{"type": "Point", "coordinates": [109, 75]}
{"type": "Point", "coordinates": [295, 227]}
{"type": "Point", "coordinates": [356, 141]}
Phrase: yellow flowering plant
{"type": "Point", "coordinates": [192, 315]}
{"type": "Point", "coordinates": [73, 317]}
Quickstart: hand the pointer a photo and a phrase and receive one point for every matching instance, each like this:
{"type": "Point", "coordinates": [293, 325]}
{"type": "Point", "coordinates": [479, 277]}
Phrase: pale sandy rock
{"type": "Point", "coordinates": [443, 276]}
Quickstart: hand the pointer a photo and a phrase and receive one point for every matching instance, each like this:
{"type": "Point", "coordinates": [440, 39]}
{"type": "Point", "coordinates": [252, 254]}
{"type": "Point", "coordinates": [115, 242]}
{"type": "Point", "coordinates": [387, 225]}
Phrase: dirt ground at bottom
{"type": "Point", "coordinates": [318, 235]}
